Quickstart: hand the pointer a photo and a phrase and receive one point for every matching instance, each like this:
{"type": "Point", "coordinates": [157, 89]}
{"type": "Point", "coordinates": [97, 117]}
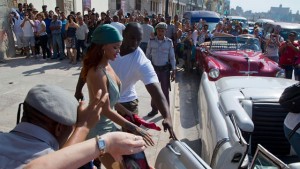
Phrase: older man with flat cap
{"type": "Point", "coordinates": [52, 119]}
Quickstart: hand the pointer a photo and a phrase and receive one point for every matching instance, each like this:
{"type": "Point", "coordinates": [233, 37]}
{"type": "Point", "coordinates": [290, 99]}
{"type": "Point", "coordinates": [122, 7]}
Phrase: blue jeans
{"type": "Point", "coordinates": [57, 46]}
{"type": "Point", "coordinates": [79, 44]}
{"type": "Point", "coordinates": [297, 73]}
{"type": "Point", "coordinates": [294, 141]}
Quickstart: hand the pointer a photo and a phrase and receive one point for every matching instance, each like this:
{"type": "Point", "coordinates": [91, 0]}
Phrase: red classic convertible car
{"type": "Point", "coordinates": [227, 55]}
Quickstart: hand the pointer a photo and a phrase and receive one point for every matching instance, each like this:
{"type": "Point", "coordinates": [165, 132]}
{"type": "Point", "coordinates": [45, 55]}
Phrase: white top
{"type": "Point", "coordinates": [82, 31]}
{"type": "Point", "coordinates": [195, 37]}
{"type": "Point", "coordinates": [119, 26]}
{"type": "Point", "coordinates": [291, 120]}
{"type": "Point", "coordinates": [39, 28]}
{"type": "Point", "coordinates": [28, 29]}
{"type": "Point", "coordinates": [272, 49]}
{"type": "Point", "coordinates": [147, 30]}
{"type": "Point", "coordinates": [130, 69]}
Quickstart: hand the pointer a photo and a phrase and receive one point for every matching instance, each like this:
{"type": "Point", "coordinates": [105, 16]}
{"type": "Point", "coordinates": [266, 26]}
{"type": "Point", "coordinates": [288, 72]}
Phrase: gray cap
{"type": "Point", "coordinates": [54, 102]}
{"type": "Point", "coordinates": [161, 25]}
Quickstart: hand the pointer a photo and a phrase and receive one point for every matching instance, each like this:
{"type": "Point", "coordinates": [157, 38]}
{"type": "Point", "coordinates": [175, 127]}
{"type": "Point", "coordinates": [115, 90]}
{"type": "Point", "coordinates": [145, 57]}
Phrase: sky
{"type": "Point", "coordinates": [265, 5]}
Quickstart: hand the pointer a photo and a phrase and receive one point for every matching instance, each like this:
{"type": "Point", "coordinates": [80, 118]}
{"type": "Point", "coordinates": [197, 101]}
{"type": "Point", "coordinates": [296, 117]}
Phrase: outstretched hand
{"type": "Point", "coordinates": [167, 124]}
{"type": "Point", "coordinates": [90, 115]}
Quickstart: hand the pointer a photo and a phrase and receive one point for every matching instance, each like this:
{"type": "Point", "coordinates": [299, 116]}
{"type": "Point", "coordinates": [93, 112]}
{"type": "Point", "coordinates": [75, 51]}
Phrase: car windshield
{"type": "Point", "coordinates": [234, 43]}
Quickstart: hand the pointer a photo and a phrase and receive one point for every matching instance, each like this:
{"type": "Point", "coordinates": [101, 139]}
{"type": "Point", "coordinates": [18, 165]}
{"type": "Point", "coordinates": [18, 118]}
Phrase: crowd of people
{"type": "Point", "coordinates": [116, 52]}
{"type": "Point", "coordinates": [109, 60]}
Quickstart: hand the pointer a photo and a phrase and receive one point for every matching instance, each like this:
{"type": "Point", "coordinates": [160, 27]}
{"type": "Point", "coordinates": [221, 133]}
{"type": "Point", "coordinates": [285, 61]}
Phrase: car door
{"type": "Point", "coordinates": [178, 155]}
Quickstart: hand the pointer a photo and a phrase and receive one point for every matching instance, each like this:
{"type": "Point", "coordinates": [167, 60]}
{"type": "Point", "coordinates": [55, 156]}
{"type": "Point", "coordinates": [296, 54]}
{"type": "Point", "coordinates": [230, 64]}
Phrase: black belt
{"type": "Point", "coordinates": [161, 68]}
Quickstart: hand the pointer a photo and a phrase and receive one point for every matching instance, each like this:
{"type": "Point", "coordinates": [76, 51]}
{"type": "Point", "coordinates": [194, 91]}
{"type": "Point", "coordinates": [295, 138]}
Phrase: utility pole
{"type": "Point", "coordinates": [167, 8]}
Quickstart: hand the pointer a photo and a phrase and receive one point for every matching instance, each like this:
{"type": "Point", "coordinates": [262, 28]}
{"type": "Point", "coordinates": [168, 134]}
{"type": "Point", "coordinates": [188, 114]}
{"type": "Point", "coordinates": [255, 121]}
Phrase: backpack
{"type": "Point", "coordinates": [290, 98]}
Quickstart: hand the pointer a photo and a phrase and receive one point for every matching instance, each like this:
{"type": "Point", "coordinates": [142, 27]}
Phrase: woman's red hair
{"type": "Point", "coordinates": [92, 58]}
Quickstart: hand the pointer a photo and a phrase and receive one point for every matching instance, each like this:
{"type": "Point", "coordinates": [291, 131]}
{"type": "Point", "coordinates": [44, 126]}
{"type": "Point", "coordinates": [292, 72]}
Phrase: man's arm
{"type": "Point", "coordinates": [78, 92]}
{"type": "Point", "coordinates": [162, 105]}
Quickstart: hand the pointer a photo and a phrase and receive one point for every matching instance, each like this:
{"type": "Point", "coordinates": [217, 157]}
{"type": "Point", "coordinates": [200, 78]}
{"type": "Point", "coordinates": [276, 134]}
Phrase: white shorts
{"type": "Point", "coordinates": [29, 41]}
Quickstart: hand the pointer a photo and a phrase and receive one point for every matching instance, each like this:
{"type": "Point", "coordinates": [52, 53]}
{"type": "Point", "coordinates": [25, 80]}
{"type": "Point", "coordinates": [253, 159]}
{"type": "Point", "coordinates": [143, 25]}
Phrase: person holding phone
{"type": "Point", "coordinates": [273, 41]}
{"type": "Point", "coordinates": [28, 29]}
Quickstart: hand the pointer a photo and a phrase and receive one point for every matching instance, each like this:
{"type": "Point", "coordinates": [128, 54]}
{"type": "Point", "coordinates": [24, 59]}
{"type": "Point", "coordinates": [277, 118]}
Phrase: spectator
{"type": "Point", "coordinates": [288, 52]}
{"type": "Point", "coordinates": [273, 41]}
{"type": "Point", "coordinates": [48, 20]}
{"type": "Point", "coordinates": [20, 11]}
{"type": "Point", "coordinates": [119, 26]}
{"type": "Point", "coordinates": [92, 26]}
{"type": "Point", "coordinates": [64, 22]}
{"type": "Point", "coordinates": [44, 9]}
{"type": "Point", "coordinates": [81, 36]}
{"type": "Point", "coordinates": [57, 12]}
{"type": "Point", "coordinates": [148, 33]}
{"type": "Point", "coordinates": [42, 37]}
{"type": "Point", "coordinates": [71, 29]}
{"type": "Point", "coordinates": [28, 29]}
{"type": "Point", "coordinates": [16, 21]}
{"type": "Point", "coordinates": [171, 31]}
{"type": "Point", "coordinates": [55, 27]}
{"type": "Point", "coordinates": [50, 121]}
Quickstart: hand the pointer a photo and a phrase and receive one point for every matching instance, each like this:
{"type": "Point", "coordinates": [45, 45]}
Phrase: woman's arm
{"type": "Point", "coordinates": [75, 156]}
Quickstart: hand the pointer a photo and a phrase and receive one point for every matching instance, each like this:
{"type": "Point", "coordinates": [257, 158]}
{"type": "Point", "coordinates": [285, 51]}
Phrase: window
{"type": "Point", "coordinates": [138, 4]}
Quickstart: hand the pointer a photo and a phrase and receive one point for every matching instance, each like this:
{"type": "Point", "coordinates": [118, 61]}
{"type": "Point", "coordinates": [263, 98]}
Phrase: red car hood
{"type": "Point", "coordinates": [238, 60]}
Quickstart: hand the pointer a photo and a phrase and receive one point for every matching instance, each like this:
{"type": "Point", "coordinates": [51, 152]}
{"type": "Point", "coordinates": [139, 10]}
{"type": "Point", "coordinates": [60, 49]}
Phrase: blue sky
{"type": "Point", "coordinates": [265, 5]}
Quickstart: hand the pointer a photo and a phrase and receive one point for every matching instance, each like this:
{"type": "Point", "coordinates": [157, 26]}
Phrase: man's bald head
{"type": "Point", "coordinates": [132, 37]}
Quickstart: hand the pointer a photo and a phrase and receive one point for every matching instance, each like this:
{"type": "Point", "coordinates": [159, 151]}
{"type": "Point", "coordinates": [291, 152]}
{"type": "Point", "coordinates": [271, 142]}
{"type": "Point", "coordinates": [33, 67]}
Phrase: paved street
{"type": "Point", "coordinates": [18, 75]}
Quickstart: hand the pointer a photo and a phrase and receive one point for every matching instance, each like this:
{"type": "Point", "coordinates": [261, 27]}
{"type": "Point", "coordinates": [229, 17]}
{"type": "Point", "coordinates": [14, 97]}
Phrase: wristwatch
{"type": "Point", "coordinates": [101, 145]}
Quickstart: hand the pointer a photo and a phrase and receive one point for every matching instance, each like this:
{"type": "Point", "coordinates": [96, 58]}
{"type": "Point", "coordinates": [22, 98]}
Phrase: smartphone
{"type": "Point", "coordinates": [136, 161]}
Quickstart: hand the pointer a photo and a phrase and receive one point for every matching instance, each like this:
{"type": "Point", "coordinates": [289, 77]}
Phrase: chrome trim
{"type": "Point", "coordinates": [171, 148]}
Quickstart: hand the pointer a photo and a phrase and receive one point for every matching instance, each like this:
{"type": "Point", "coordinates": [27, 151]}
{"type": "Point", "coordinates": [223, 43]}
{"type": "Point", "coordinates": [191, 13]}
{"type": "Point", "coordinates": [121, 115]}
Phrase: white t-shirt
{"type": "Point", "coordinates": [119, 26]}
{"type": "Point", "coordinates": [28, 29]}
{"type": "Point", "coordinates": [130, 69]}
{"type": "Point", "coordinates": [272, 49]}
{"type": "Point", "coordinates": [82, 31]}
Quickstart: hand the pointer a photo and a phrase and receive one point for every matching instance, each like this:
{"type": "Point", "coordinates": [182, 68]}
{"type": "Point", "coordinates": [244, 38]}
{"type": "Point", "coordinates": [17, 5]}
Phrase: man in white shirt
{"type": "Point", "coordinates": [117, 24]}
{"type": "Point", "coordinates": [27, 26]}
{"type": "Point", "coordinates": [81, 35]}
{"type": "Point", "coordinates": [148, 33]}
{"type": "Point", "coordinates": [16, 21]}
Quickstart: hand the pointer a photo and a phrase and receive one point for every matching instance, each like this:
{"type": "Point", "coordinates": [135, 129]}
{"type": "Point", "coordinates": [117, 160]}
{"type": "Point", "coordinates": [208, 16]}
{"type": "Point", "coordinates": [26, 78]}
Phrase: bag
{"type": "Point", "coordinates": [290, 98]}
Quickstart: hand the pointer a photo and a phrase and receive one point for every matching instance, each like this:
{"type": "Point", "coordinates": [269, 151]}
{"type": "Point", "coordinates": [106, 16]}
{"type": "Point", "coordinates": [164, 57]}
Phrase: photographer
{"type": "Point", "coordinates": [288, 53]}
{"type": "Point", "coordinates": [273, 41]}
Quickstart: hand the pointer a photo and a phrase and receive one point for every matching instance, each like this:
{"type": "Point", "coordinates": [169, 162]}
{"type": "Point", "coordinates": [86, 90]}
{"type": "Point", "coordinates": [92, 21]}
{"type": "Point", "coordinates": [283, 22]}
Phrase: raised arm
{"type": "Point", "coordinates": [75, 156]}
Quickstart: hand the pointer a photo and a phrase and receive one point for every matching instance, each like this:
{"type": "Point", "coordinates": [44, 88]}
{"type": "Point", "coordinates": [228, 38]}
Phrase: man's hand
{"type": "Point", "coordinates": [79, 95]}
{"type": "Point", "coordinates": [167, 124]}
{"type": "Point", "coordinates": [90, 115]}
{"type": "Point", "coordinates": [173, 75]}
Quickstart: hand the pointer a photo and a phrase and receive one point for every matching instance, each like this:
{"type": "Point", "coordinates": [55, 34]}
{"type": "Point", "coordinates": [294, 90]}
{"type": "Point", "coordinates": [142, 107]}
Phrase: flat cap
{"type": "Point", "coordinates": [161, 25]}
{"type": "Point", "coordinates": [54, 102]}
